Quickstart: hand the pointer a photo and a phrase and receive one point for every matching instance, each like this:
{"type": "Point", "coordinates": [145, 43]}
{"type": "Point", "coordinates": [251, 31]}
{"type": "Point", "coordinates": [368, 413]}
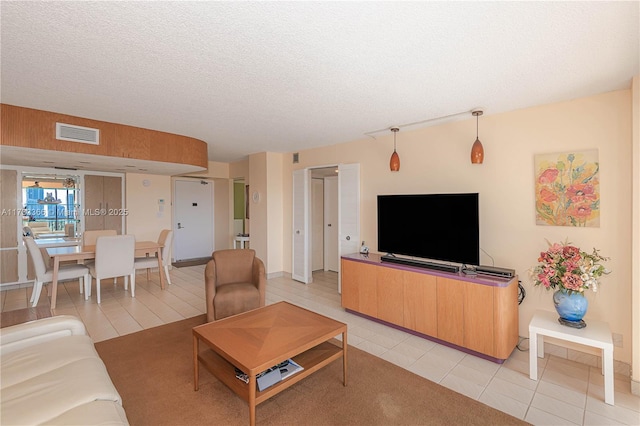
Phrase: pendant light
{"type": "Point", "coordinates": [394, 162]}
{"type": "Point", "coordinates": [477, 151]}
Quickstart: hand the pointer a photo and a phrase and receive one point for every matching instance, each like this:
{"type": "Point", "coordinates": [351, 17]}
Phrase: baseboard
{"type": "Point", "coordinates": [277, 275]}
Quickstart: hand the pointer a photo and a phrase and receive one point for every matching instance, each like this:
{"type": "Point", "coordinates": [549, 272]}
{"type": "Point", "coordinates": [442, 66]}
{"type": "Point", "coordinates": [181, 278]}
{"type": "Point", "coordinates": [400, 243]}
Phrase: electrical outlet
{"type": "Point", "coordinates": [617, 340]}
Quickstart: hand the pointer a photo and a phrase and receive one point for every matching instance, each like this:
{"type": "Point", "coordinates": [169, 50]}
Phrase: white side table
{"type": "Point", "coordinates": [596, 334]}
{"type": "Point", "coordinates": [242, 241]}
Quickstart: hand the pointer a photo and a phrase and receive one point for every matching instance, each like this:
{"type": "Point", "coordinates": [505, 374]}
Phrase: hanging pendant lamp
{"type": "Point", "coordinates": [394, 162]}
{"type": "Point", "coordinates": [477, 151]}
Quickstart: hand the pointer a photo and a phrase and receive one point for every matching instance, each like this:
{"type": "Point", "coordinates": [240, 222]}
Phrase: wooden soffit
{"type": "Point", "coordinates": [28, 138]}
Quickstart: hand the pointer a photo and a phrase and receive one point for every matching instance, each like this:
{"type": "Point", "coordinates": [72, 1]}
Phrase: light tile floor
{"type": "Point", "coordinates": [567, 393]}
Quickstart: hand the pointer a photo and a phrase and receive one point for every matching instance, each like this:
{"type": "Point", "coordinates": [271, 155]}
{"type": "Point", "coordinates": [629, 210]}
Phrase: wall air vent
{"type": "Point", "coordinates": [71, 133]}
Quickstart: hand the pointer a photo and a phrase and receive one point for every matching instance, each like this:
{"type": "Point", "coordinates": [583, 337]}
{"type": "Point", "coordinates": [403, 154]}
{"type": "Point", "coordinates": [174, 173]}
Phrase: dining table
{"type": "Point", "coordinates": [57, 242]}
{"type": "Point", "coordinates": [88, 252]}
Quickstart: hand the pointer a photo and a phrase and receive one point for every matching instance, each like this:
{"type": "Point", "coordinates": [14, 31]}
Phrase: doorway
{"type": "Point", "coordinates": [239, 208]}
{"type": "Point", "coordinates": [347, 222]}
{"type": "Point", "coordinates": [324, 219]}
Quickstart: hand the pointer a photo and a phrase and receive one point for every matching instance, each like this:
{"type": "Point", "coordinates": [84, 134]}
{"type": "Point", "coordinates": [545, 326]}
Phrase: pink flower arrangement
{"type": "Point", "coordinates": [566, 267]}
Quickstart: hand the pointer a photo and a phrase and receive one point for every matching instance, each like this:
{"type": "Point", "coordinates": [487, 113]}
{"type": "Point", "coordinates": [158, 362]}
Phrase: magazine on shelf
{"type": "Point", "coordinates": [290, 368]}
{"type": "Point", "coordinates": [241, 375]}
{"type": "Point", "coordinates": [272, 375]}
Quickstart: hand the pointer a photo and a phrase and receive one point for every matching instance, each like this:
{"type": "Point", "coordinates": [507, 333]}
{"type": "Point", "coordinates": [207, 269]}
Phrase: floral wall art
{"type": "Point", "coordinates": [568, 189]}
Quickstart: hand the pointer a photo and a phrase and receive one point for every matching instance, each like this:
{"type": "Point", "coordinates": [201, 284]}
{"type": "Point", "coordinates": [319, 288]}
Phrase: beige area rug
{"type": "Point", "coordinates": [153, 371]}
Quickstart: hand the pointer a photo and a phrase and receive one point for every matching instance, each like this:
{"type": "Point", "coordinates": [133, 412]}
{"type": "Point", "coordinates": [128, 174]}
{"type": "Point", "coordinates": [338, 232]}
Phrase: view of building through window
{"type": "Point", "coordinates": [53, 201]}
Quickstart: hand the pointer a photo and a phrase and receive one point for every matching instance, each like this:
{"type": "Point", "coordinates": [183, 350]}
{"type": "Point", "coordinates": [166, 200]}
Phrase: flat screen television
{"type": "Point", "coordinates": [442, 227]}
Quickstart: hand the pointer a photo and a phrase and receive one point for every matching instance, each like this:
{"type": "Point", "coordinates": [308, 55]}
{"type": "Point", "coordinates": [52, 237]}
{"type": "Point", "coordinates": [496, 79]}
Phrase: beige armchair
{"type": "Point", "coordinates": [235, 282]}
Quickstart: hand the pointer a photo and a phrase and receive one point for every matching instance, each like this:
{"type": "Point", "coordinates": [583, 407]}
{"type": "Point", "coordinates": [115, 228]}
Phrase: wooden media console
{"type": "Point", "coordinates": [477, 314]}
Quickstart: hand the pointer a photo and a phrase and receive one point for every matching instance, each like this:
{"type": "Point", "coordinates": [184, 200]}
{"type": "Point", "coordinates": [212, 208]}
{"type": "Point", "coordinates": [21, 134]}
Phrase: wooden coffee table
{"type": "Point", "coordinates": [257, 340]}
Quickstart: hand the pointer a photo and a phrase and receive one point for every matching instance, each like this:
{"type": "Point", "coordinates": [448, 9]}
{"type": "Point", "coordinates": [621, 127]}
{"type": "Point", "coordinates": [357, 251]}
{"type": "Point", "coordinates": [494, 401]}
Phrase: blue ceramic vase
{"type": "Point", "coordinates": [570, 307]}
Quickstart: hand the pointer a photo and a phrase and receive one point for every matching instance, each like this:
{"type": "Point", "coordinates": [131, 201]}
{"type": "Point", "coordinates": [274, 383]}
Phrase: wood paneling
{"type": "Point", "coordinates": [10, 212]}
{"type": "Point", "coordinates": [103, 203]}
{"type": "Point", "coordinates": [112, 191]}
{"type": "Point", "coordinates": [131, 142]}
{"type": "Point", "coordinates": [478, 314]}
{"type": "Point", "coordinates": [361, 293]}
{"type": "Point", "coordinates": [451, 311]}
{"type": "Point", "coordinates": [390, 295]}
{"type": "Point", "coordinates": [350, 292]}
{"type": "Point", "coordinates": [31, 128]}
{"type": "Point", "coordinates": [8, 265]}
{"type": "Point", "coordinates": [478, 318]}
{"type": "Point", "coordinates": [505, 301]}
{"type": "Point", "coordinates": [166, 145]}
{"type": "Point", "coordinates": [420, 303]}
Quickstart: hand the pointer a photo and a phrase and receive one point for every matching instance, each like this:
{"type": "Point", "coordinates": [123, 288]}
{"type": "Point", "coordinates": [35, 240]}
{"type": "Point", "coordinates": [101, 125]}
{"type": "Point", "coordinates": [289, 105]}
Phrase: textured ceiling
{"type": "Point", "coordinates": [248, 77]}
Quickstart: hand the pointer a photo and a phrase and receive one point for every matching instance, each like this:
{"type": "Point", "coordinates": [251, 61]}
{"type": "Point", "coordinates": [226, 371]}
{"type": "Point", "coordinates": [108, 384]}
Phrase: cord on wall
{"type": "Point", "coordinates": [493, 263]}
{"type": "Point", "coordinates": [521, 293]}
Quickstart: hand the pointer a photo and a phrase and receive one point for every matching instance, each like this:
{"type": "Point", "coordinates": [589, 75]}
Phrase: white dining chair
{"type": "Point", "coordinates": [44, 273]}
{"type": "Point", "coordinates": [89, 238]}
{"type": "Point", "coordinates": [114, 258]}
{"type": "Point", "coordinates": [166, 241]}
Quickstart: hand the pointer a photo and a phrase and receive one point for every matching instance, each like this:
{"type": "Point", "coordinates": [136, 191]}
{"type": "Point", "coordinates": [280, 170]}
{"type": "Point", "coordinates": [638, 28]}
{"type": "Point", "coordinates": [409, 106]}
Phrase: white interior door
{"type": "Point", "coordinates": [332, 260]}
{"type": "Point", "coordinates": [193, 219]}
{"type": "Point", "coordinates": [301, 243]}
{"type": "Point", "coordinates": [348, 211]}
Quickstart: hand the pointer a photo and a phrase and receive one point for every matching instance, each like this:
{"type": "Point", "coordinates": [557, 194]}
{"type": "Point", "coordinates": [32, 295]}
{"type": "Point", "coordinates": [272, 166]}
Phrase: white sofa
{"type": "Point", "coordinates": [51, 373]}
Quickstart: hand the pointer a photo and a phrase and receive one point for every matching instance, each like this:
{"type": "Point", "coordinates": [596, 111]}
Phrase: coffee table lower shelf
{"type": "Point", "coordinates": [312, 360]}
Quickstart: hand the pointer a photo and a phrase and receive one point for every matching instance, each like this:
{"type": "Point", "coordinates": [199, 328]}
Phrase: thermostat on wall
{"type": "Point", "coordinates": [255, 197]}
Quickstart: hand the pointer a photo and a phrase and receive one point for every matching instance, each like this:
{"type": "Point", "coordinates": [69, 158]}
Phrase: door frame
{"type": "Point", "coordinates": [306, 172]}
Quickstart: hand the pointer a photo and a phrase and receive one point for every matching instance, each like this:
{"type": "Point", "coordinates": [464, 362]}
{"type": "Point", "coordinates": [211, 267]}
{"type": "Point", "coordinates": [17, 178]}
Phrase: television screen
{"type": "Point", "coordinates": [432, 226]}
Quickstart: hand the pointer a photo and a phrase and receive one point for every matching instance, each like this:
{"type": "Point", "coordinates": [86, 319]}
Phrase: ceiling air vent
{"type": "Point", "coordinates": [69, 132]}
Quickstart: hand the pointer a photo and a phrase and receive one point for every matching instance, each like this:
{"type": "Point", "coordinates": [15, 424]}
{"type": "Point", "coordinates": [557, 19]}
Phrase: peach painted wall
{"type": "Point", "coordinates": [240, 170]}
{"type": "Point", "coordinates": [215, 169]}
{"type": "Point", "coordinates": [145, 220]}
{"type": "Point", "coordinates": [437, 160]}
{"type": "Point", "coordinates": [258, 210]}
{"type": "Point", "coordinates": [266, 179]}
{"type": "Point", "coordinates": [274, 201]}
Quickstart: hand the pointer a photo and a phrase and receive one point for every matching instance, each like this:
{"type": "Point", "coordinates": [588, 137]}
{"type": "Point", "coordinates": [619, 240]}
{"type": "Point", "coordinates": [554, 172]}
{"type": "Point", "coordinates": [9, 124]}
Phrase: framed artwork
{"type": "Point", "coordinates": [568, 189]}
